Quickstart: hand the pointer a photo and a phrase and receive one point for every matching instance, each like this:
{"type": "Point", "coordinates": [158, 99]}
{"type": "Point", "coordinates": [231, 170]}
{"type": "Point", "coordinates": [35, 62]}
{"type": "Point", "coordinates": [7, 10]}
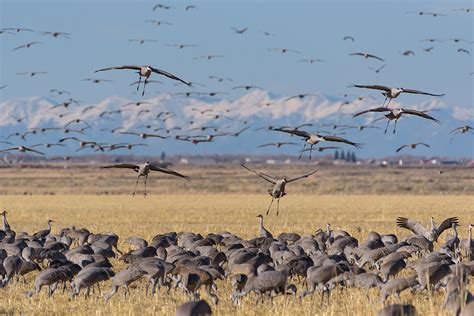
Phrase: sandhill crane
{"type": "Point", "coordinates": [396, 286]}
{"type": "Point", "coordinates": [5, 224]}
{"type": "Point", "coordinates": [279, 185]}
{"type": "Point", "coordinates": [300, 96]}
{"type": "Point", "coordinates": [240, 31]}
{"type": "Point", "coordinates": [408, 52]}
{"type": "Point", "coordinates": [51, 277]}
{"type": "Point", "coordinates": [348, 37]}
{"type": "Point", "coordinates": [468, 244]}
{"type": "Point", "coordinates": [284, 50]}
{"type": "Point", "coordinates": [396, 114]}
{"type": "Point", "coordinates": [273, 282]}
{"type": "Point", "coordinates": [22, 149]}
{"type": "Point", "coordinates": [377, 70]}
{"type": "Point", "coordinates": [194, 308]}
{"type": "Point", "coordinates": [12, 265]}
{"type": "Point", "coordinates": [314, 138]}
{"type": "Point", "coordinates": [412, 146]}
{"type": "Point", "coordinates": [430, 275]}
{"type": "Point", "coordinates": [277, 144]}
{"type": "Point", "coordinates": [263, 232]}
{"type": "Point", "coordinates": [366, 55]}
{"type": "Point", "coordinates": [124, 278]}
{"type": "Point", "coordinates": [43, 233]}
{"type": "Point", "coordinates": [452, 242]}
{"type": "Point", "coordinates": [319, 276]}
{"type": "Point", "coordinates": [143, 171]}
{"type": "Point", "coordinates": [391, 93]}
{"type": "Point", "coordinates": [145, 71]}
{"type": "Point", "coordinates": [462, 129]}
{"type": "Point", "coordinates": [27, 45]}
{"type": "Point", "coordinates": [88, 277]}
{"type": "Point", "coordinates": [154, 269]}
{"type": "Point", "coordinates": [433, 233]}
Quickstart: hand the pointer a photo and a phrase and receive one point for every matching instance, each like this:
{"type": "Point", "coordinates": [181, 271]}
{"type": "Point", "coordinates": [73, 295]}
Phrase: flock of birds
{"type": "Point", "coordinates": [289, 264]}
{"type": "Point", "coordinates": [76, 130]}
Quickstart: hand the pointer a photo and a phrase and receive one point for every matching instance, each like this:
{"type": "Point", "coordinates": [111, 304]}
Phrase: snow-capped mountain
{"type": "Point", "coordinates": [182, 115]}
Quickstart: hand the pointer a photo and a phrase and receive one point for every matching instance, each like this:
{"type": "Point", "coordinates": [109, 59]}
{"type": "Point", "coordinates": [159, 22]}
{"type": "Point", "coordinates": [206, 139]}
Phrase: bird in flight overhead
{"type": "Point", "coordinates": [143, 171]}
{"type": "Point", "coordinates": [277, 144]}
{"type": "Point", "coordinates": [396, 114]}
{"type": "Point", "coordinates": [392, 93]}
{"type": "Point", "coordinates": [314, 138]}
{"type": "Point", "coordinates": [284, 50]}
{"type": "Point", "coordinates": [27, 45]}
{"type": "Point", "coordinates": [412, 146]}
{"type": "Point", "coordinates": [366, 55]}
{"type": "Point", "coordinates": [462, 130]}
{"type": "Point", "coordinates": [22, 149]}
{"type": "Point", "coordinates": [278, 190]}
{"type": "Point", "coordinates": [311, 60]}
{"type": "Point", "coordinates": [377, 70]}
{"type": "Point", "coordinates": [348, 37]}
{"type": "Point", "coordinates": [240, 31]}
{"type": "Point", "coordinates": [145, 71]}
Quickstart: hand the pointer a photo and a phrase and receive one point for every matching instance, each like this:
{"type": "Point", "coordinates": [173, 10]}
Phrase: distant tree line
{"type": "Point", "coordinates": [348, 156]}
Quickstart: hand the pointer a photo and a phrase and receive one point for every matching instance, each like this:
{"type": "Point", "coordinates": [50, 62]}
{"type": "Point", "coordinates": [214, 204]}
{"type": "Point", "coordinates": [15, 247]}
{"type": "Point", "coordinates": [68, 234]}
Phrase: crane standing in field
{"type": "Point", "coordinates": [278, 190]}
{"type": "Point", "coordinates": [143, 171]}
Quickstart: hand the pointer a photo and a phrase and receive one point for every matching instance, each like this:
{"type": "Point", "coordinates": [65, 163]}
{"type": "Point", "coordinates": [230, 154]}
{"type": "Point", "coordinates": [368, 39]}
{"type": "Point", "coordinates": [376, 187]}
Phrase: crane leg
{"type": "Point", "coordinates": [278, 206]}
{"type": "Point", "coordinates": [139, 81]}
{"type": "Point", "coordinates": [384, 101]}
{"type": "Point", "coordinates": [388, 102]}
{"type": "Point", "coordinates": [144, 85]}
{"type": "Point", "coordinates": [386, 127]}
{"type": "Point", "coordinates": [301, 153]}
{"type": "Point", "coordinates": [136, 183]}
{"type": "Point", "coordinates": [395, 126]}
{"type": "Point", "coordinates": [144, 194]}
{"type": "Point", "coordinates": [310, 151]}
{"type": "Point", "coordinates": [268, 210]}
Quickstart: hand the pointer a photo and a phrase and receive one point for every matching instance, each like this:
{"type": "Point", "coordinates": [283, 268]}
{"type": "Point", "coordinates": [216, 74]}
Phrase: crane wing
{"type": "Point", "coordinates": [169, 75]}
{"type": "Point", "coordinates": [400, 148]}
{"type": "Point", "coordinates": [413, 226]}
{"type": "Point", "coordinates": [293, 131]}
{"type": "Point", "coordinates": [421, 114]}
{"type": "Point", "coordinates": [262, 175]}
{"type": "Point", "coordinates": [446, 224]}
{"type": "Point", "coordinates": [380, 109]}
{"type": "Point", "coordinates": [168, 171]}
{"type": "Point", "coordinates": [340, 140]}
{"type": "Point", "coordinates": [124, 166]}
{"type": "Point", "coordinates": [119, 67]}
{"type": "Point", "coordinates": [413, 91]}
{"type": "Point", "coordinates": [374, 87]}
{"type": "Point", "coordinates": [301, 177]}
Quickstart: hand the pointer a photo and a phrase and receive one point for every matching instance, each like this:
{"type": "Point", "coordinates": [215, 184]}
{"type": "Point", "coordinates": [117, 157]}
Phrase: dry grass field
{"type": "Point", "coordinates": [204, 211]}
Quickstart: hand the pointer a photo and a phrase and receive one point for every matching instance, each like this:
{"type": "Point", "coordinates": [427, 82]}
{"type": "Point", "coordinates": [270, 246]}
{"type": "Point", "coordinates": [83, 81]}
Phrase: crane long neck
{"type": "Point", "coordinates": [5, 222]}
{"type": "Point", "coordinates": [49, 225]}
{"type": "Point", "coordinates": [470, 235]}
{"type": "Point", "coordinates": [261, 222]}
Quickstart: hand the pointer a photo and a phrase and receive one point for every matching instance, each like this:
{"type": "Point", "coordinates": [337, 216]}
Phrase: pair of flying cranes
{"type": "Point", "coordinates": [279, 185]}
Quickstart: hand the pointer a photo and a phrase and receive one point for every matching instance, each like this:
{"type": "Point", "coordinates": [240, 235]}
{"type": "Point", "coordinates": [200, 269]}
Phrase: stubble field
{"type": "Point", "coordinates": [302, 211]}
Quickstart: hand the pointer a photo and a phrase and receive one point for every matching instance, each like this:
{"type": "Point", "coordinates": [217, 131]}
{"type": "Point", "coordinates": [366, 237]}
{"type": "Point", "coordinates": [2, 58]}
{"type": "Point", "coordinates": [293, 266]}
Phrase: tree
{"type": "Point", "coordinates": [343, 156]}
{"type": "Point", "coordinates": [163, 156]}
{"type": "Point", "coordinates": [336, 155]}
{"type": "Point", "coordinates": [354, 157]}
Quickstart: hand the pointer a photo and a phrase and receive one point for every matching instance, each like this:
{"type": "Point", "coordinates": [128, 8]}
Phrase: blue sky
{"type": "Point", "coordinates": [100, 33]}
